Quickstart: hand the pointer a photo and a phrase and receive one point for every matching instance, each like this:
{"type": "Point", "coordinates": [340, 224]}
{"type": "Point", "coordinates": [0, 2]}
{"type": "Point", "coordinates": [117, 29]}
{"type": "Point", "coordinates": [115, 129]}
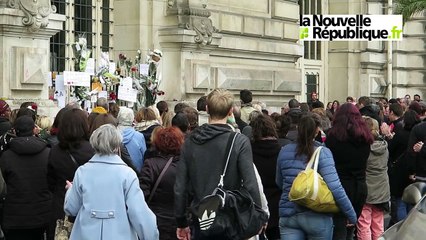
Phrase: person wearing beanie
{"type": "Point", "coordinates": [27, 206]}
{"type": "Point", "coordinates": [133, 140]}
{"type": "Point", "coordinates": [5, 124]}
{"type": "Point", "coordinates": [96, 112]}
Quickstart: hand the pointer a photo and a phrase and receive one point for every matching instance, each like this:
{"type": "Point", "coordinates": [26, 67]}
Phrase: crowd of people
{"type": "Point", "coordinates": [124, 174]}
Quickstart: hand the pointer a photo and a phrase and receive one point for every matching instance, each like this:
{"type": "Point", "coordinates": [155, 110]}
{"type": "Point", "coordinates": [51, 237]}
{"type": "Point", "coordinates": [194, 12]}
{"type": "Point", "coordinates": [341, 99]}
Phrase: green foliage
{"type": "Point", "coordinates": [409, 7]}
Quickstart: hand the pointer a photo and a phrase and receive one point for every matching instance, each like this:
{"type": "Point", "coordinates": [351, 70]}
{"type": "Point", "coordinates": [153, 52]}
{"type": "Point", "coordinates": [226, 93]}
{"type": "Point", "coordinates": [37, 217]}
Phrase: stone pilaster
{"type": "Point", "coordinates": [25, 30]}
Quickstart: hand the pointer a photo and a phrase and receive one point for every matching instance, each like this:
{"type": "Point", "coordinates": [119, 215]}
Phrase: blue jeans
{"type": "Point", "coordinates": [306, 225]}
{"type": "Point", "coordinates": [402, 209]}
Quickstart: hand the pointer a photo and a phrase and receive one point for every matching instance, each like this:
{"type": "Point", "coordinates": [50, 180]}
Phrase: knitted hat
{"type": "Point", "coordinates": [3, 107]}
{"type": "Point", "coordinates": [24, 126]}
{"type": "Point", "coordinates": [125, 116]}
{"type": "Point", "coordinates": [99, 110]}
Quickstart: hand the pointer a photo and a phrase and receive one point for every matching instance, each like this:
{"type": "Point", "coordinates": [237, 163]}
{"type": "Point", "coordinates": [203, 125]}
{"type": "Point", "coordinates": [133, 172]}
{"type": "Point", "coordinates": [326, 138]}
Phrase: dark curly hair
{"type": "Point", "coordinates": [263, 126]}
{"type": "Point", "coordinates": [169, 140]}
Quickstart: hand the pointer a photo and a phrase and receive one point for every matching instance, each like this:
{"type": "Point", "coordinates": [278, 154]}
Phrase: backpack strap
{"type": "Point", "coordinates": [159, 179]}
{"type": "Point", "coordinates": [229, 146]}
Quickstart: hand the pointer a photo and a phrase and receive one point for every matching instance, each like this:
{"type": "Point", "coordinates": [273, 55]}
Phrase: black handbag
{"type": "Point", "coordinates": [230, 213]}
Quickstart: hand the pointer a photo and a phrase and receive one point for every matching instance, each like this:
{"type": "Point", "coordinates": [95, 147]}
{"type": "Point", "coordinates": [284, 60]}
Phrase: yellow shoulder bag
{"type": "Point", "coordinates": [310, 190]}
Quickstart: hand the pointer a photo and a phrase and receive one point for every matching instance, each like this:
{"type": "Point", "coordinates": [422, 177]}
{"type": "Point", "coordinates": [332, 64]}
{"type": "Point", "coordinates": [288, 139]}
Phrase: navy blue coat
{"type": "Point", "coordinates": [289, 165]}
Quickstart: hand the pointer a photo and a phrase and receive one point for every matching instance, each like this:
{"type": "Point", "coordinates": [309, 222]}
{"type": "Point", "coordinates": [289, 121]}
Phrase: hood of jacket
{"type": "Point", "coordinates": [368, 111]}
{"type": "Point", "coordinates": [128, 134]}
{"type": "Point", "coordinates": [27, 145]}
{"type": "Point", "coordinates": [206, 132]}
{"type": "Point", "coordinates": [379, 147]}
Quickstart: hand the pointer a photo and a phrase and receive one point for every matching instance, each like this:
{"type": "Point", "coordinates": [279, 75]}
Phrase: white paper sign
{"type": "Point", "coordinates": [126, 82]}
{"type": "Point", "coordinates": [103, 94]}
{"type": "Point", "coordinates": [60, 96]}
{"type": "Point", "coordinates": [127, 94]}
{"type": "Point", "coordinates": [112, 67]}
{"type": "Point", "coordinates": [87, 104]}
{"type": "Point", "coordinates": [93, 98]}
{"type": "Point", "coordinates": [90, 67]}
{"type": "Point", "coordinates": [76, 79]}
{"type": "Point", "coordinates": [59, 83]}
{"type": "Point", "coordinates": [48, 77]}
{"type": "Point", "coordinates": [143, 69]}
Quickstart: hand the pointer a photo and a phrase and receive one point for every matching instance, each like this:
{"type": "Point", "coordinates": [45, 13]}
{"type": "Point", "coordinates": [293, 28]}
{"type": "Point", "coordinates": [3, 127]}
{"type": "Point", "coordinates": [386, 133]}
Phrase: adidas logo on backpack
{"type": "Point", "coordinates": [207, 219]}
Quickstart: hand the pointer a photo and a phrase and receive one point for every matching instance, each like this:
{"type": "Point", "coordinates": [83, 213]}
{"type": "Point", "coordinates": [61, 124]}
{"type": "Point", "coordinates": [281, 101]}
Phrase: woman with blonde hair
{"type": "Point", "coordinates": [146, 121]}
{"type": "Point", "coordinates": [44, 124]}
{"type": "Point", "coordinates": [166, 118]}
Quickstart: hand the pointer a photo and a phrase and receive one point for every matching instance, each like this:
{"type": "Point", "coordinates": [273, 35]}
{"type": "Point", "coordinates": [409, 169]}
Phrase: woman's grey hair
{"type": "Point", "coordinates": [106, 140]}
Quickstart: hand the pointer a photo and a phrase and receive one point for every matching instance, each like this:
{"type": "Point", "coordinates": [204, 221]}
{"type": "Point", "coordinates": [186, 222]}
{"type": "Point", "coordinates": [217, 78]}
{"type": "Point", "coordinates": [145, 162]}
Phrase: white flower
{"type": "Point", "coordinates": [139, 51]}
{"type": "Point", "coordinates": [82, 41]}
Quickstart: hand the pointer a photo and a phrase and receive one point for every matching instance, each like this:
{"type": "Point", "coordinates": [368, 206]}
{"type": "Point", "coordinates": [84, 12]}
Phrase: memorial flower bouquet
{"type": "Point", "coordinates": [82, 54]}
{"type": "Point", "coordinates": [144, 75]}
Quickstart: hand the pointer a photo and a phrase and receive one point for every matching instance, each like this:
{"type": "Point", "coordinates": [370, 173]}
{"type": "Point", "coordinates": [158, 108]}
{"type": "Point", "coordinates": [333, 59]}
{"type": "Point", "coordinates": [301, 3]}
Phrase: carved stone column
{"type": "Point", "coordinates": [26, 27]}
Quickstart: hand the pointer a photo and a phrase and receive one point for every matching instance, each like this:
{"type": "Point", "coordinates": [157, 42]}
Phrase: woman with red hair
{"type": "Point", "coordinates": [349, 140]}
{"type": "Point", "coordinates": [158, 179]}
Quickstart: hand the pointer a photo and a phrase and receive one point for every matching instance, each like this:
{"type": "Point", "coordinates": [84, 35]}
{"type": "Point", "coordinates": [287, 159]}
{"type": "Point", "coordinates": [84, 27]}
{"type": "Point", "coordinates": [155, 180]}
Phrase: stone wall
{"type": "Point", "coordinates": [229, 44]}
{"type": "Point", "coordinates": [25, 31]}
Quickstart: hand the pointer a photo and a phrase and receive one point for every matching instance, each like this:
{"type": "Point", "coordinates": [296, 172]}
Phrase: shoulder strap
{"type": "Point", "coordinates": [159, 179]}
{"type": "Point", "coordinates": [229, 146]}
{"type": "Point", "coordinates": [73, 159]}
{"type": "Point", "coordinates": [314, 159]}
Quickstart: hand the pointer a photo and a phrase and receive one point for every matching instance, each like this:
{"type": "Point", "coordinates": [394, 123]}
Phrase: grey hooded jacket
{"type": "Point", "coordinates": [377, 173]}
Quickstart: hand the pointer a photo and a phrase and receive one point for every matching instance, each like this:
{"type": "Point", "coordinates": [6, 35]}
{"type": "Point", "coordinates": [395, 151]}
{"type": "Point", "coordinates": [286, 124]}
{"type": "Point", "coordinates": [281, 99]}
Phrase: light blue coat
{"type": "Point", "coordinates": [108, 202]}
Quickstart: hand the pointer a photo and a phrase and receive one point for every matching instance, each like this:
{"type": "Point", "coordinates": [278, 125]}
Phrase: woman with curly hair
{"type": "Point", "coordinates": [349, 140]}
{"type": "Point", "coordinates": [158, 179]}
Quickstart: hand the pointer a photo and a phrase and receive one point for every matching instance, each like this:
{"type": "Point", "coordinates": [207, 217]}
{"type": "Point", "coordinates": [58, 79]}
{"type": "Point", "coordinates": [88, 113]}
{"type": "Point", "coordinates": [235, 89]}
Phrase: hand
{"type": "Point", "coordinates": [263, 229]}
{"type": "Point", "coordinates": [68, 184]}
{"type": "Point", "coordinates": [183, 233]}
{"type": "Point", "coordinates": [418, 146]}
{"type": "Point", "coordinates": [385, 129]}
{"type": "Point", "coordinates": [412, 177]}
{"type": "Point", "coordinates": [348, 224]}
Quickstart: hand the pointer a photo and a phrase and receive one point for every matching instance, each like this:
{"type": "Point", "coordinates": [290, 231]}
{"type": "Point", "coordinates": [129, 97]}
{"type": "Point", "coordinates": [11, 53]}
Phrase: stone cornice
{"type": "Point", "coordinates": [11, 24]}
{"type": "Point", "coordinates": [36, 12]}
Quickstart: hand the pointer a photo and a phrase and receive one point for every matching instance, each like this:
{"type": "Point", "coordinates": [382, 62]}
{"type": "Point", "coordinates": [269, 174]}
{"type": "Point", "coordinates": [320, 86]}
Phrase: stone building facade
{"type": "Point", "coordinates": [233, 44]}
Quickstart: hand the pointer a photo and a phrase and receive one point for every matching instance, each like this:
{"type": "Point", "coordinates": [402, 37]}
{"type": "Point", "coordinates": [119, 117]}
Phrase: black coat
{"type": "Point", "coordinates": [62, 168]}
{"type": "Point", "coordinates": [28, 200]}
{"type": "Point", "coordinates": [265, 154]}
{"type": "Point", "coordinates": [202, 161]}
{"type": "Point", "coordinates": [398, 144]}
{"type": "Point", "coordinates": [5, 125]}
{"type": "Point", "coordinates": [162, 203]}
{"type": "Point", "coordinates": [417, 161]}
{"type": "Point", "coordinates": [350, 158]}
